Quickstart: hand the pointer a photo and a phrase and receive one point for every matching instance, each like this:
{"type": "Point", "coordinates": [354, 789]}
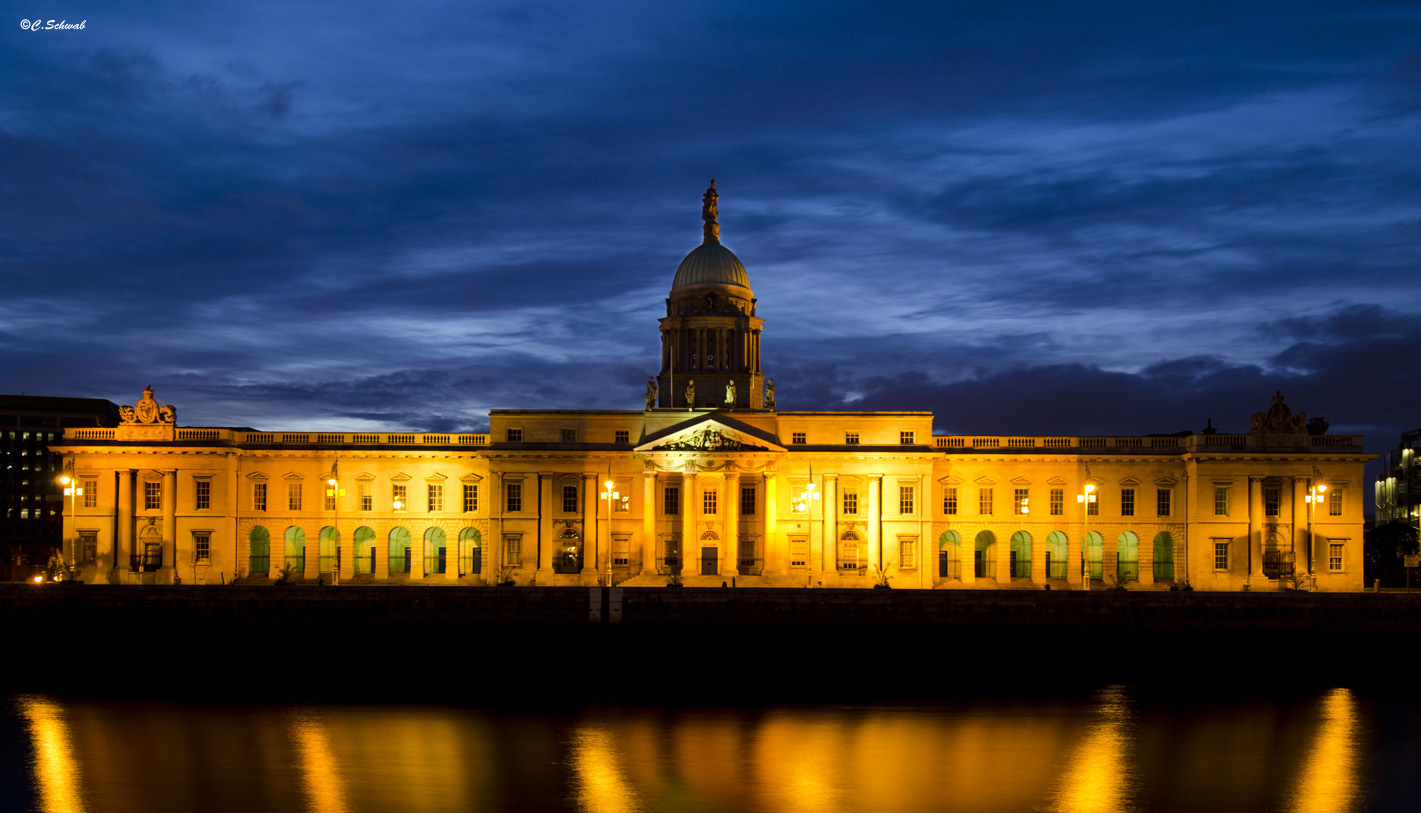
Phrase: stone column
{"type": "Point", "coordinates": [829, 507]}
{"type": "Point", "coordinates": [1302, 535]}
{"type": "Point", "coordinates": [1255, 529]}
{"type": "Point", "coordinates": [169, 569]}
{"type": "Point", "coordinates": [875, 522]}
{"type": "Point", "coordinates": [776, 553]}
{"type": "Point", "coordinates": [732, 524]}
{"type": "Point", "coordinates": [648, 521]}
{"type": "Point", "coordinates": [689, 512]}
{"type": "Point", "coordinates": [546, 544]}
{"type": "Point", "coordinates": [123, 541]}
{"type": "Point", "coordinates": [594, 545]}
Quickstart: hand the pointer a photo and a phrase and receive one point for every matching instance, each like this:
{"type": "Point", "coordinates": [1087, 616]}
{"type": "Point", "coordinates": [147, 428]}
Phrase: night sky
{"type": "Point", "coordinates": [1027, 218]}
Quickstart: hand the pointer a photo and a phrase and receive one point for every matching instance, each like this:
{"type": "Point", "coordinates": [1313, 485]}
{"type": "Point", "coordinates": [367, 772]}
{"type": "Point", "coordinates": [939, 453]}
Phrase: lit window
{"type": "Point", "coordinates": [984, 501]}
{"type": "Point", "coordinates": [905, 438]}
{"type": "Point", "coordinates": [671, 501]}
{"type": "Point", "coordinates": [569, 436]}
{"type": "Point", "coordinates": [1221, 501]}
{"type": "Point", "coordinates": [202, 493]}
{"type": "Point", "coordinates": [258, 496]}
{"type": "Point", "coordinates": [1021, 501]}
{"type": "Point", "coordinates": [851, 438]}
{"type": "Point", "coordinates": [436, 497]}
{"type": "Point", "coordinates": [399, 497]}
{"type": "Point", "coordinates": [515, 435]}
{"type": "Point", "coordinates": [747, 501]}
{"type": "Point", "coordinates": [1334, 557]}
{"type": "Point", "coordinates": [708, 504]}
{"type": "Point", "coordinates": [471, 498]}
{"type": "Point", "coordinates": [851, 502]}
{"type": "Point", "coordinates": [513, 497]}
{"type": "Point", "coordinates": [1163, 498]}
{"type": "Point", "coordinates": [1272, 497]}
{"type": "Point", "coordinates": [624, 436]}
{"type": "Point", "coordinates": [1127, 502]}
{"type": "Point", "coordinates": [1334, 502]}
{"type": "Point", "coordinates": [91, 493]}
{"type": "Point", "coordinates": [949, 500]}
{"type": "Point", "coordinates": [367, 500]}
{"type": "Point", "coordinates": [798, 438]}
{"type": "Point", "coordinates": [1221, 556]}
{"type": "Point", "coordinates": [152, 495]}
{"type": "Point", "coordinates": [328, 500]}
{"type": "Point", "coordinates": [569, 499]}
{"type": "Point", "coordinates": [907, 499]}
{"type": "Point", "coordinates": [907, 549]}
{"type": "Point", "coordinates": [293, 496]}
{"type": "Point", "coordinates": [202, 545]}
{"type": "Point", "coordinates": [1058, 502]}
{"type": "Point", "coordinates": [513, 547]}
{"type": "Point", "coordinates": [88, 546]}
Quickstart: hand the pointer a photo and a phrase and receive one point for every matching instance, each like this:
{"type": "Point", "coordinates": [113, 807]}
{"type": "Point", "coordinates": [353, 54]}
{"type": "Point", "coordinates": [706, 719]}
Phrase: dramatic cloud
{"type": "Point", "coordinates": [1027, 218]}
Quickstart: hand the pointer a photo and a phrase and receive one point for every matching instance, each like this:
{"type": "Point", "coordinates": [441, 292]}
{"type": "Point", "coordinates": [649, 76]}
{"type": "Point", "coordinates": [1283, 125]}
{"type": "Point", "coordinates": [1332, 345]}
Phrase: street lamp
{"type": "Point", "coordinates": [335, 492]}
{"type": "Point", "coordinates": [610, 496]}
{"type": "Point", "coordinates": [1086, 500]}
{"type": "Point", "coordinates": [72, 490]}
{"type": "Point", "coordinates": [1316, 494]}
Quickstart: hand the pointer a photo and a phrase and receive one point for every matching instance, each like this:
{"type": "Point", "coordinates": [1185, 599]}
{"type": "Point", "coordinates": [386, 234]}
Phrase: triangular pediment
{"type": "Point", "coordinates": [710, 433]}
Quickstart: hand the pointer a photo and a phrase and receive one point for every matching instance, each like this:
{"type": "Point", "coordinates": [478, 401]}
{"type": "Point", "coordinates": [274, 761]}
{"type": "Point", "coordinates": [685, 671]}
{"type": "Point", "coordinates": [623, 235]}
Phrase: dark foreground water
{"type": "Point", "coordinates": [1109, 748]}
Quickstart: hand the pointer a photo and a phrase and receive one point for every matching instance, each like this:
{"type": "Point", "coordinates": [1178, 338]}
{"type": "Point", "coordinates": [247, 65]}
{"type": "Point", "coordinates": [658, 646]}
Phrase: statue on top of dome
{"type": "Point", "coordinates": [691, 393]}
{"type": "Point", "coordinates": [730, 393]}
{"type": "Point", "coordinates": [709, 212]}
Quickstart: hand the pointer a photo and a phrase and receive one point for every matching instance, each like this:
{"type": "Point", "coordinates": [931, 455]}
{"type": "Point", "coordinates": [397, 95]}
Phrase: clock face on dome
{"type": "Point", "coordinates": [711, 302]}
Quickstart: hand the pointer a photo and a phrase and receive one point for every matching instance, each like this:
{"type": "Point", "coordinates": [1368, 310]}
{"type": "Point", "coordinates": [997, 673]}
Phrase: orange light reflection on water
{"type": "Point", "coordinates": [1329, 776]}
{"type": "Point", "coordinates": [56, 770]}
{"type": "Point", "coordinates": [320, 771]}
{"type": "Point", "coordinates": [1097, 775]}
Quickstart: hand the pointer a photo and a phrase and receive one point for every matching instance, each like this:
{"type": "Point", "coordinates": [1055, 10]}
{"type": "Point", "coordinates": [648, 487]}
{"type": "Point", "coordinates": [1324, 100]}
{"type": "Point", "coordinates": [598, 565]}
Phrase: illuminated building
{"type": "Point", "coordinates": [710, 483]}
{"type": "Point", "coordinates": [1396, 491]}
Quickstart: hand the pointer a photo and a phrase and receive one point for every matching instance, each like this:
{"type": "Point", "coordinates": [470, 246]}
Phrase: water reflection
{"type": "Point", "coordinates": [1114, 750]}
{"type": "Point", "coordinates": [1097, 775]}
{"type": "Point", "coordinates": [56, 771]}
{"type": "Point", "coordinates": [1329, 780]}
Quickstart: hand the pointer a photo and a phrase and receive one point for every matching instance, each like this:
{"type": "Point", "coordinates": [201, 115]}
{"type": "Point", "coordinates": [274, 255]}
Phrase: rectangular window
{"type": "Point", "coordinates": [905, 438]}
{"type": "Point", "coordinates": [798, 438]}
{"type": "Point", "coordinates": [799, 551]}
{"type": "Point", "coordinates": [1221, 556]}
{"type": "Point", "coordinates": [1021, 501]}
{"type": "Point", "coordinates": [624, 436]}
{"type": "Point", "coordinates": [258, 496]}
{"type": "Point", "coordinates": [1058, 501]}
{"type": "Point", "coordinates": [471, 498]}
{"type": "Point", "coordinates": [907, 549]}
{"type": "Point", "coordinates": [984, 501]}
{"type": "Point", "coordinates": [851, 438]}
{"type": "Point", "coordinates": [708, 505]}
{"type": "Point", "coordinates": [1334, 557]}
{"type": "Point", "coordinates": [88, 546]}
{"type": "Point", "coordinates": [293, 496]}
{"type": "Point", "coordinates": [202, 495]}
{"type": "Point", "coordinates": [907, 499]}
{"type": "Point", "coordinates": [569, 499]}
{"type": "Point", "coordinates": [569, 436]}
{"type": "Point", "coordinates": [435, 492]}
{"type": "Point", "coordinates": [329, 492]}
{"type": "Point", "coordinates": [1127, 502]}
{"type": "Point", "coordinates": [1163, 499]}
{"type": "Point", "coordinates": [513, 494]}
{"type": "Point", "coordinates": [851, 503]}
{"type": "Point", "coordinates": [671, 501]}
{"type": "Point", "coordinates": [367, 500]}
{"type": "Point", "coordinates": [1334, 502]}
{"type": "Point", "coordinates": [747, 501]}
{"type": "Point", "coordinates": [1271, 499]}
{"type": "Point", "coordinates": [513, 545]}
{"type": "Point", "coordinates": [949, 500]}
{"type": "Point", "coordinates": [399, 497]}
{"type": "Point", "coordinates": [91, 493]}
{"type": "Point", "coordinates": [514, 435]}
{"type": "Point", "coordinates": [623, 503]}
{"type": "Point", "coordinates": [152, 495]}
{"type": "Point", "coordinates": [1221, 501]}
{"type": "Point", "coordinates": [202, 545]}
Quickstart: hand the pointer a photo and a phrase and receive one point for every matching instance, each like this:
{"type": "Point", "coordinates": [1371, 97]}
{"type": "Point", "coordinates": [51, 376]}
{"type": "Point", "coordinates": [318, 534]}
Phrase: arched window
{"type": "Point", "coordinates": [984, 555]}
{"type": "Point", "coordinates": [1164, 557]}
{"type": "Point", "coordinates": [568, 558]}
{"type": "Point", "coordinates": [1127, 557]}
{"type": "Point", "coordinates": [295, 550]}
{"type": "Point", "coordinates": [399, 551]}
{"type": "Point", "coordinates": [1021, 555]}
{"type": "Point", "coordinates": [1277, 561]}
{"type": "Point", "coordinates": [851, 558]}
{"type": "Point", "coordinates": [949, 555]}
{"type": "Point", "coordinates": [1095, 556]}
{"type": "Point", "coordinates": [1055, 555]}
{"type": "Point", "coordinates": [470, 552]}
{"type": "Point", "coordinates": [330, 550]}
{"type": "Point", "coordinates": [259, 552]}
{"type": "Point", "coordinates": [364, 550]}
{"type": "Point", "coordinates": [434, 546]}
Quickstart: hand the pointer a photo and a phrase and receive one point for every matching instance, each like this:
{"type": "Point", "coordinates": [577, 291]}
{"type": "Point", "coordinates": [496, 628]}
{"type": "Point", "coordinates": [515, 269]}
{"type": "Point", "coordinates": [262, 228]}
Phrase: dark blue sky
{"type": "Point", "coordinates": [1026, 218]}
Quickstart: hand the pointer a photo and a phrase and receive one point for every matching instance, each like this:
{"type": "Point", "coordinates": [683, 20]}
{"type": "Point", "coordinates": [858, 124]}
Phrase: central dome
{"type": "Point", "coordinates": [711, 264]}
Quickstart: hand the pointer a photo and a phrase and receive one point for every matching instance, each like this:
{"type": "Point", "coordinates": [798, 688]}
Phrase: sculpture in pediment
{"type": "Point", "coordinates": [708, 439]}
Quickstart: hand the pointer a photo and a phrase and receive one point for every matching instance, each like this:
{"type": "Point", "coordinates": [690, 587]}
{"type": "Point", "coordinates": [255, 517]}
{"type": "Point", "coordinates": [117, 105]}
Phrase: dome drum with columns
{"type": "Point", "coordinates": [710, 337]}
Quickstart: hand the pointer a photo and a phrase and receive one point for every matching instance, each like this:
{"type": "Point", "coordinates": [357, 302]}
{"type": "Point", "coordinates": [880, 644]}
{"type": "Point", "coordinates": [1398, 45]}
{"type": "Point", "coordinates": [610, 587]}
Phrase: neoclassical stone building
{"type": "Point", "coordinates": [712, 484]}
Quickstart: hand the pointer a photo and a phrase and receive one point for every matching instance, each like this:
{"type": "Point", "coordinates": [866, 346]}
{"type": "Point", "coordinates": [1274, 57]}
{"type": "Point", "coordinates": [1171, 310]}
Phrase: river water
{"type": "Point", "coordinates": [1106, 748]}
